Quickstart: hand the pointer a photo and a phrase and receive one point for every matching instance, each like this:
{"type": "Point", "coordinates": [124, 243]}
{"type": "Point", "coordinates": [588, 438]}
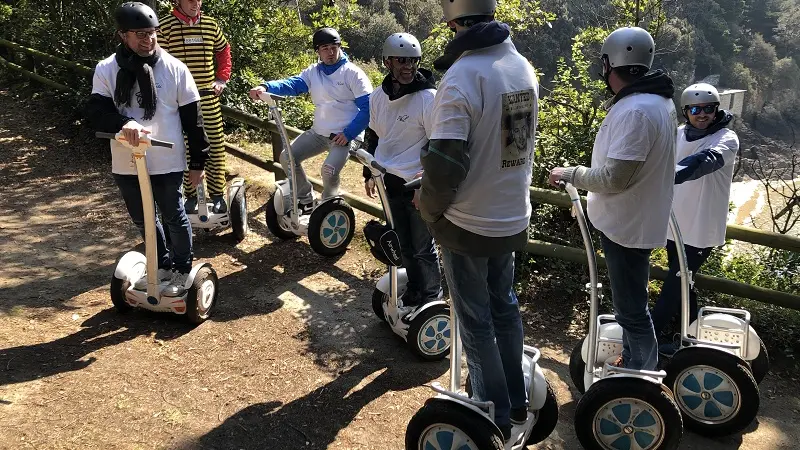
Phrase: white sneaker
{"type": "Point", "coordinates": [176, 286]}
{"type": "Point", "coordinates": [163, 275]}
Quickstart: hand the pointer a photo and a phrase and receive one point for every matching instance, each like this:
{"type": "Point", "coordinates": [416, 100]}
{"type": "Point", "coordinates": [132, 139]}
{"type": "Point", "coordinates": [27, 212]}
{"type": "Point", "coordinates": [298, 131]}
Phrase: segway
{"type": "Point", "coordinates": [331, 223]}
{"type": "Point", "coordinates": [453, 421]}
{"type": "Point", "coordinates": [425, 328]}
{"type": "Point", "coordinates": [621, 408]}
{"type": "Point", "coordinates": [713, 382]}
{"type": "Point", "coordinates": [234, 218]}
{"type": "Point", "coordinates": [198, 301]}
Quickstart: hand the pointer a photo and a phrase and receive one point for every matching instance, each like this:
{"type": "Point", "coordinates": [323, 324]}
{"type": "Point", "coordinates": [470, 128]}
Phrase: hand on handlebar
{"type": "Point", "coordinates": [555, 177]}
{"type": "Point", "coordinates": [131, 132]}
{"type": "Point", "coordinates": [256, 92]}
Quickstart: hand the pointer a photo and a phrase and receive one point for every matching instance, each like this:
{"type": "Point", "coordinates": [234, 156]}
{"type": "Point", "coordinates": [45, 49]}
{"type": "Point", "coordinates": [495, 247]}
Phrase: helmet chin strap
{"type": "Point", "coordinates": [606, 74]}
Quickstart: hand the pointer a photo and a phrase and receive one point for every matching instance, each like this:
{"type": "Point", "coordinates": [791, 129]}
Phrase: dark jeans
{"type": "Point", "coordinates": [168, 198]}
{"type": "Point", "coordinates": [629, 272]}
{"type": "Point", "coordinates": [482, 292]}
{"type": "Point", "coordinates": [417, 248]}
{"type": "Point", "coordinates": [669, 302]}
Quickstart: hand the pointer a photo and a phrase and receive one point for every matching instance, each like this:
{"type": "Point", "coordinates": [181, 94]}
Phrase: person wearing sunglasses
{"type": "Point", "coordinates": [630, 183]}
{"type": "Point", "coordinates": [475, 194]}
{"type": "Point", "coordinates": [340, 92]}
{"type": "Point", "coordinates": [399, 124]}
{"type": "Point", "coordinates": [197, 40]}
{"type": "Point", "coordinates": [139, 90]}
{"type": "Point", "coordinates": [706, 154]}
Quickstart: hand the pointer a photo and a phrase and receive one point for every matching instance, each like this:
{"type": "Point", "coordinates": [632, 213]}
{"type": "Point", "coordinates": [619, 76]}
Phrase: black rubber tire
{"type": "Point", "coordinates": [195, 314]}
{"type": "Point", "coordinates": [118, 288]}
{"type": "Point", "coordinates": [609, 389]}
{"type": "Point", "coordinates": [483, 433]}
{"type": "Point", "coordinates": [548, 415]}
{"type": "Point", "coordinates": [271, 217]}
{"type": "Point", "coordinates": [547, 420]}
{"type": "Point", "coordinates": [315, 223]}
{"type": "Point", "coordinates": [577, 367]}
{"type": "Point", "coordinates": [377, 303]}
{"type": "Point", "coordinates": [416, 327]}
{"type": "Point", "coordinates": [238, 209]}
{"type": "Point", "coordinates": [760, 366]}
{"type": "Point", "coordinates": [735, 369]}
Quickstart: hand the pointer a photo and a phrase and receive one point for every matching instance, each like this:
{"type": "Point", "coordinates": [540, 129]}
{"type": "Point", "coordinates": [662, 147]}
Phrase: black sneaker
{"type": "Point", "coordinates": [305, 208]}
{"type": "Point", "coordinates": [519, 415]}
{"type": "Point", "coordinates": [220, 206]}
{"type": "Point", "coordinates": [190, 205]}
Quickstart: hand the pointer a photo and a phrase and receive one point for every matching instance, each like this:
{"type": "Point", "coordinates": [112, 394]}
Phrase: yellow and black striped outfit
{"type": "Point", "coordinates": [195, 45]}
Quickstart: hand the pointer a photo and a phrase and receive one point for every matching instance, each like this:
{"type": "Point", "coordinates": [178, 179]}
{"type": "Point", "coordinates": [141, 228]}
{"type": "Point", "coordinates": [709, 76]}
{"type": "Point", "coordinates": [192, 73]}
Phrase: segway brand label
{"type": "Point", "coordinates": [517, 129]}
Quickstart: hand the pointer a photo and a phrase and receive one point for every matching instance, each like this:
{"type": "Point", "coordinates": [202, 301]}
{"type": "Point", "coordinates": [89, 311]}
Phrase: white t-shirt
{"type": "Point", "coordinates": [640, 127]}
{"type": "Point", "coordinates": [701, 205]}
{"type": "Point", "coordinates": [402, 127]}
{"type": "Point", "coordinates": [175, 87]}
{"type": "Point", "coordinates": [490, 98]}
{"type": "Point", "coordinates": [334, 96]}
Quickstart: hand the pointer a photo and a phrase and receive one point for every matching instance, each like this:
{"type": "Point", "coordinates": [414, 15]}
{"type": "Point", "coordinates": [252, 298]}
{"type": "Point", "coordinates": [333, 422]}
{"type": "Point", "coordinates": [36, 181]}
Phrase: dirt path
{"type": "Point", "coordinates": [293, 359]}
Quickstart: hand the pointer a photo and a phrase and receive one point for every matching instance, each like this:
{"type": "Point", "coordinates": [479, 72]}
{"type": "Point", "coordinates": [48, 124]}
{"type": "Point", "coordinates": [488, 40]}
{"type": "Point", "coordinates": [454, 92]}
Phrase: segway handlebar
{"type": "Point", "coordinates": [366, 159]}
{"type": "Point", "coordinates": [153, 142]}
{"type": "Point", "coordinates": [413, 184]}
{"type": "Point", "coordinates": [270, 99]}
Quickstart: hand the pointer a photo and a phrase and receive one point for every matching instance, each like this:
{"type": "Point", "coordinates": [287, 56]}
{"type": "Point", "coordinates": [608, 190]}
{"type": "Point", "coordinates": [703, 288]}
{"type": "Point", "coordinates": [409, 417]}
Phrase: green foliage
{"type": "Point", "coordinates": [520, 15]}
{"type": "Point", "coordinates": [571, 113]}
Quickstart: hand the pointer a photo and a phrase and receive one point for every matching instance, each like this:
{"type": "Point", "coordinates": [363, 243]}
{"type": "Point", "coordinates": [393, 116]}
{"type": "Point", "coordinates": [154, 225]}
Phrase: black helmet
{"type": "Point", "coordinates": [325, 36]}
{"type": "Point", "coordinates": [135, 15]}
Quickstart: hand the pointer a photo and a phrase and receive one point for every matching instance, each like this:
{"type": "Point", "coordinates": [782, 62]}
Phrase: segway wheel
{"type": "Point", "coordinates": [429, 334]}
{"type": "Point", "coordinates": [118, 289]}
{"type": "Point", "coordinates": [546, 418]}
{"type": "Point", "coordinates": [202, 296]}
{"type": "Point", "coordinates": [273, 222]}
{"type": "Point", "coordinates": [577, 367]}
{"type": "Point", "coordinates": [238, 210]}
{"type": "Point", "coordinates": [331, 227]}
{"type": "Point", "coordinates": [714, 390]}
{"type": "Point", "coordinates": [378, 298]}
{"type": "Point", "coordinates": [628, 412]}
{"type": "Point", "coordinates": [445, 425]}
{"type": "Point", "coordinates": [760, 365]}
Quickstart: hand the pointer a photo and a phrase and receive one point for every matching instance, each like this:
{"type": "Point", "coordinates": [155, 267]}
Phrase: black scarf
{"type": "Point", "coordinates": [133, 68]}
{"type": "Point", "coordinates": [721, 120]}
{"type": "Point", "coordinates": [656, 82]}
{"type": "Point", "coordinates": [480, 35]}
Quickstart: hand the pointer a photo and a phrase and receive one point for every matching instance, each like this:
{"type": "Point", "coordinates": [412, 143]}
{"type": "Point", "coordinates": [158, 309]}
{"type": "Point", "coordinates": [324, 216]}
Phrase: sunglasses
{"type": "Point", "coordinates": [708, 109]}
{"type": "Point", "coordinates": [406, 59]}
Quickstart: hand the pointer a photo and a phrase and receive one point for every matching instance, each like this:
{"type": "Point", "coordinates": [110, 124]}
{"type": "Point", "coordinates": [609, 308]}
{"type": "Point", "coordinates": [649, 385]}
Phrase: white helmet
{"type": "Point", "coordinates": [629, 46]}
{"type": "Point", "coordinates": [456, 9]}
{"type": "Point", "coordinates": [698, 94]}
{"type": "Point", "coordinates": [402, 44]}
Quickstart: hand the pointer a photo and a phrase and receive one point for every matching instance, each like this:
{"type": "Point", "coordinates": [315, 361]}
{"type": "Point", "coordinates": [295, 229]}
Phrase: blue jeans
{"type": "Point", "coordinates": [308, 145]}
{"type": "Point", "coordinates": [629, 271]}
{"type": "Point", "coordinates": [669, 302]}
{"type": "Point", "coordinates": [168, 197]}
{"type": "Point", "coordinates": [482, 291]}
{"type": "Point", "coordinates": [417, 249]}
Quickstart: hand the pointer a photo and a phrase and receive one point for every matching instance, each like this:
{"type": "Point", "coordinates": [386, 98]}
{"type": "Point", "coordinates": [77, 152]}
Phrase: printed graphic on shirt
{"type": "Point", "coordinates": [516, 136]}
